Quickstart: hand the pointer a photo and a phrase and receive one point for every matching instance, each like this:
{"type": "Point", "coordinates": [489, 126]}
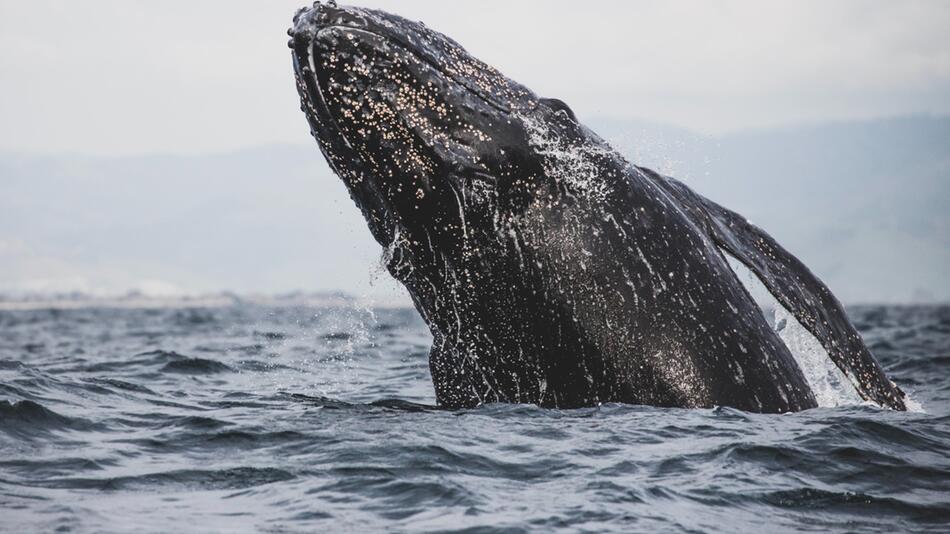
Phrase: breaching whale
{"type": "Point", "coordinates": [549, 269]}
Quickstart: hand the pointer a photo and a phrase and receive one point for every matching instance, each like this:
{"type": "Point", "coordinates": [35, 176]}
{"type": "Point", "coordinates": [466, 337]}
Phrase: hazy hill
{"type": "Point", "coordinates": [267, 219]}
{"type": "Point", "coordinates": [865, 204]}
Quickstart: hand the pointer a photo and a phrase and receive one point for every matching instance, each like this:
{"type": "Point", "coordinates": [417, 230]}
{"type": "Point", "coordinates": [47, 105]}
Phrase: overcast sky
{"type": "Point", "coordinates": [131, 77]}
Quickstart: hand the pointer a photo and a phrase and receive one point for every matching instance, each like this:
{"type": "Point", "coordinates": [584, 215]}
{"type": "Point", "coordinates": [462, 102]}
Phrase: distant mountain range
{"type": "Point", "coordinates": [865, 204]}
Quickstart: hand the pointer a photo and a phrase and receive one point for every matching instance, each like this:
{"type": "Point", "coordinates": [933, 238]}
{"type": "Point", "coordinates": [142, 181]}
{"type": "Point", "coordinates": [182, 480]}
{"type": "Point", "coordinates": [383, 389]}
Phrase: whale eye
{"type": "Point", "coordinates": [559, 106]}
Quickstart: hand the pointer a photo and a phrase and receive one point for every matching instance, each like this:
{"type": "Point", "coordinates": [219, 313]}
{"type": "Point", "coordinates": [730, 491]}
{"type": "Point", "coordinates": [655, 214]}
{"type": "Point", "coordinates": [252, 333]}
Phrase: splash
{"type": "Point", "coordinates": [577, 165]}
{"type": "Point", "coordinates": [829, 384]}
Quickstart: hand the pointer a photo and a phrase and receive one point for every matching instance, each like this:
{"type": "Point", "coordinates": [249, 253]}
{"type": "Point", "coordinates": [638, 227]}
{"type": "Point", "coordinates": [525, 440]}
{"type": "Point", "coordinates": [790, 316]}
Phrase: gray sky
{"type": "Point", "coordinates": [130, 77]}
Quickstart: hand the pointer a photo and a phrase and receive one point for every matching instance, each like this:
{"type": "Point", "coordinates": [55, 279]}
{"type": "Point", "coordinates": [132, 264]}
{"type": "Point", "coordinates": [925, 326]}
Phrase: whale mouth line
{"type": "Point", "coordinates": [329, 124]}
{"type": "Point", "coordinates": [323, 113]}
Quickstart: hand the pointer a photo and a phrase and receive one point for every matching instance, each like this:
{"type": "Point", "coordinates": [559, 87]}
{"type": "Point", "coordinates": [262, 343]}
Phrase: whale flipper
{"type": "Point", "coordinates": [794, 286]}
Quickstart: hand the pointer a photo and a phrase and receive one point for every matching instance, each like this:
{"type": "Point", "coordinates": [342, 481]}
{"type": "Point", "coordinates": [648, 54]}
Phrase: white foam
{"type": "Point", "coordinates": [575, 165]}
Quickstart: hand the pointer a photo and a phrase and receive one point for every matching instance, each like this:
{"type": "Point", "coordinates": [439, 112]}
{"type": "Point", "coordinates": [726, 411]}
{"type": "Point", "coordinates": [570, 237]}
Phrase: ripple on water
{"type": "Point", "coordinates": [183, 479]}
{"type": "Point", "coordinates": [27, 418]}
{"type": "Point", "coordinates": [195, 366]}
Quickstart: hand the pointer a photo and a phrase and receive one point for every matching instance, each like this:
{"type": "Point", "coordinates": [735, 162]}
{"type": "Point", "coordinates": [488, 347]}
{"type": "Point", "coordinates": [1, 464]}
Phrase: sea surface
{"type": "Point", "coordinates": [292, 418]}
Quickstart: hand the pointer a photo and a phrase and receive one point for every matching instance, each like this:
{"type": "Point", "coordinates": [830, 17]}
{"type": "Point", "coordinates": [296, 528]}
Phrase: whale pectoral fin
{"type": "Point", "coordinates": [795, 287]}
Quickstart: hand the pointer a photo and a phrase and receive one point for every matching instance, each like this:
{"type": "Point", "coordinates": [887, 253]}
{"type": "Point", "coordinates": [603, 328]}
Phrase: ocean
{"type": "Point", "coordinates": [289, 417]}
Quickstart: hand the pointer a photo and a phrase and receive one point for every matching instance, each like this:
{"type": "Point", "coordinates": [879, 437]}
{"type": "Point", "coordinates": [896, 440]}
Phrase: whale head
{"type": "Point", "coordinates": [427, 138]}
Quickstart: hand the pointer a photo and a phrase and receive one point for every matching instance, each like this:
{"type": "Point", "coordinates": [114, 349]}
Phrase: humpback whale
{"type": "Point", "coordinates": [549, 269]}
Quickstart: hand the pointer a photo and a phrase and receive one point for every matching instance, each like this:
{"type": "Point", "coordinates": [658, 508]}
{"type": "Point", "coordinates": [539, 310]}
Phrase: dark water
{"type": "Point", "coordinates": [251, 418]}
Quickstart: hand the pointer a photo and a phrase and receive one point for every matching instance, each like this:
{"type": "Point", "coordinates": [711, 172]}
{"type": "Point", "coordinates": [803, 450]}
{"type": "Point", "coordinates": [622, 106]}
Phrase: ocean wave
{"type": "Point", "coordinates": [25, 418]}
{"type": "Point", "coordinates": [151, 414]}
{"type": "Point", "coordinates": [176, 480]}
{"type": "Point", "coordinates": [195, 366]}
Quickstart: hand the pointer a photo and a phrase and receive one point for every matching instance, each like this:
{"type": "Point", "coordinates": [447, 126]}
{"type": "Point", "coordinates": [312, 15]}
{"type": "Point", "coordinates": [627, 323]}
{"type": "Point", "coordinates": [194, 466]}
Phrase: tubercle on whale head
{"type": "Point", "coordinates": [414, 125]}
